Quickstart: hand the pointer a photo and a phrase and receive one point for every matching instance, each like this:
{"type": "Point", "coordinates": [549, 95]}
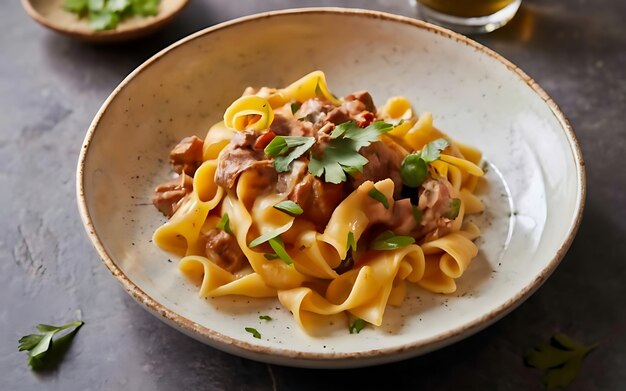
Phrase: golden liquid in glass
{"type": "Point", "coordinates": [466, 8]}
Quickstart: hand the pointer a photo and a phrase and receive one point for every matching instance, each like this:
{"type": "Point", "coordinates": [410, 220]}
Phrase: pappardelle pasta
{"type": "Point", "coordinates": [329, 204]}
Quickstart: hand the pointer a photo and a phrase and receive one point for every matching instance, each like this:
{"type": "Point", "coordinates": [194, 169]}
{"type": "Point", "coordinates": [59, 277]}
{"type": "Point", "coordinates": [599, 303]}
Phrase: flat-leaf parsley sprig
{"type": "Point", "coordinates": [41, 346]}
{"type": "Point", "coordinates": [561, 360]}
{"type": "Point", "coordinates": [341, 154]}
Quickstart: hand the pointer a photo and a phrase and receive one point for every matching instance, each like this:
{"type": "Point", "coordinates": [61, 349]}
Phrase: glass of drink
{"type": "Point", "coordinates": [468, 16]}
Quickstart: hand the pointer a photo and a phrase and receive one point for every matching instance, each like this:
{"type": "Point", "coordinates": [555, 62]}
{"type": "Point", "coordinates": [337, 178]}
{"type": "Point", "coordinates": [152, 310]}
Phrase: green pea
{"type": "Point", "coordinates": [413, 170]}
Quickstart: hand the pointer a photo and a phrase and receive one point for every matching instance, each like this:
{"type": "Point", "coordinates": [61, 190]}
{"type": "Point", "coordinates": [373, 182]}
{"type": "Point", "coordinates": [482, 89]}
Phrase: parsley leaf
{"type": "Point", "coordinates": [254, 332]}
{"type": "Point", "coordinates": [224, 224]}
{"type": "Point", "coordinates": [357, 326]}
{"type": "Point", "coordinates": [265, 317]}
{"type": "Point", "coordinates": [145, 7]}
{"type": "Point", "coordinates": [279, 248]}
{"type": "Point", "coordinates": [103, 20]}
{"type": "Point", "coordinates": [295, 106]}
{"type": "Point", "coordinates": [289, 207]}
{"type": "Point", "coordinates": [40, 346]}
{"type": "Point", "coordinates": [343, 128]}
{"type": "Point", "coordinates": [561, 360]}
{"type": "Point", "coordinates": [107, 14]}
{"type": "Point", "coordinates": [432, 150]}
{"type": "Point", "coordinates": [341, 154]}
{"type": "Point", "coordinates": [280, 145]}
{"type": "Point", "coordinates": [378, 196]}
{"type": "Point", "coordinates": [390, 241]}
{"type": "Point", "coordinates": [117, 5]}
{"type": "Point", "coordinates": [351, 241]}
{"type": "Point", "coordinates": [76, 6]}
{"type": "Point", "coordinates": [368, 135]}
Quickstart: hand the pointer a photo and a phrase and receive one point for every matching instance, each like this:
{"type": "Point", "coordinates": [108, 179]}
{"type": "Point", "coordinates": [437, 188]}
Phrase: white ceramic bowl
{"type": "Point", "coordinates": [534, 196]}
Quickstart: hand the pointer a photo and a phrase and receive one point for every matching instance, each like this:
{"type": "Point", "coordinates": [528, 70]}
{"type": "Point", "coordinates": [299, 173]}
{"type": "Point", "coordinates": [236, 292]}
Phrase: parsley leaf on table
{"type": "Point", "coordinates": [40, 346]}
{"type": "Point", "coordinates": [561, 360]}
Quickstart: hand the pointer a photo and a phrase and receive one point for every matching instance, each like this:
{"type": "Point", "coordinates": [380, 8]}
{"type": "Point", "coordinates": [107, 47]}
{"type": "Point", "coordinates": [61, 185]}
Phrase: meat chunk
{"type": "Point", "coordinates": [318, 199]}
{"type": "Point", "coordinates": [383, 162]}
{"type": "Point", "coordinates": [362, 100]}
{"type": "Point", "coordinates": [169, 196]}
{"type": "Point", "coordinates": [187, 155]}
{"type": "Point", "coordinates": [240, 156]}
{"type": "Point", "coordinates": [283, 125]}
{"type": "Point", "coordinates": [338, 115]}
{"type": "Point", "coordinates": [223, 249]}
{"type": "Point", "coordinates": [434, 202]}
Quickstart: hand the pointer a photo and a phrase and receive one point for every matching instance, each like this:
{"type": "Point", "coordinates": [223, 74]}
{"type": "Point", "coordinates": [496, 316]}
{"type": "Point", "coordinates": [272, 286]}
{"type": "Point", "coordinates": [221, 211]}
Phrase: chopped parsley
{"type": "Point", "coordinates": [289, 207]}
{"type": "Point", "coordinates": [41, 347]}
{"type": "Point", "coordinates": [254, 332]}
{"type": "Point", "coordinates": [378, 196]}
{"type": "Point", "coordinates": [279, 248]}
{"type": "Point", "coordinates": [224, 224]}
{"type": "Point", "coordinates": [265, 317]}
{"type": "Point", "coordinates": [357, 326]}
{"type": "Point", "coordinates": [265, 237]}
{"type": "Point", "coordinates": [107, 14]}
{"type": "Point", "coordinates": [390, 241]}
{"type": "Point", "coordinates": [351, 241]}
{"type": "Point", "coordinates": [341, 154]}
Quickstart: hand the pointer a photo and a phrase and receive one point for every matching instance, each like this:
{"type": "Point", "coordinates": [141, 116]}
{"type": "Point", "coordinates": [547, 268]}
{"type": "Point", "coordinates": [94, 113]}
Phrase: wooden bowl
{"type": "Point", "coordinates": [51, 14]}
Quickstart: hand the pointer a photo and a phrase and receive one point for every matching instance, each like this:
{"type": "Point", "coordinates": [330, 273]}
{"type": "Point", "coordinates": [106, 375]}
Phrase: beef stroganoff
{"type": "Point", "coordinates": [330, 204]}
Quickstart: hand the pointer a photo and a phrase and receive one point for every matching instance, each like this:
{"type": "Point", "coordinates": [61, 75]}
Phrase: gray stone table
{"type": "Point", "coordinates": [50, 89]}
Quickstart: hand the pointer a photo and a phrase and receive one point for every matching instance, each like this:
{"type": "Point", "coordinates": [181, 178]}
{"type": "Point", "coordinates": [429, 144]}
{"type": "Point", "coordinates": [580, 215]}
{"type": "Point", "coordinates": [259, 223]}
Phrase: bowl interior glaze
{"type": "Point", "coordinates": [534, 191]}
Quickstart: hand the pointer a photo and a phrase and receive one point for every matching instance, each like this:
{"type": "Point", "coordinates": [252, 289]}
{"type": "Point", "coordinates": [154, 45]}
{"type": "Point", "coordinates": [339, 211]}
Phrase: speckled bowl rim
{"type": "Point", "coordinates": [404, 351]}
{"type": "Point", "coordinates": [116, 35]}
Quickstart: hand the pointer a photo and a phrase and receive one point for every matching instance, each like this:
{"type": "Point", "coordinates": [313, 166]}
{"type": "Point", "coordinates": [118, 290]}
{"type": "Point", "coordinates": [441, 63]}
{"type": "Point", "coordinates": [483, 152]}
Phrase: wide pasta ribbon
{"type": "Point", "coordinates": [363, 292]}
{"type": "Point", "coordinates": [181, 234]}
